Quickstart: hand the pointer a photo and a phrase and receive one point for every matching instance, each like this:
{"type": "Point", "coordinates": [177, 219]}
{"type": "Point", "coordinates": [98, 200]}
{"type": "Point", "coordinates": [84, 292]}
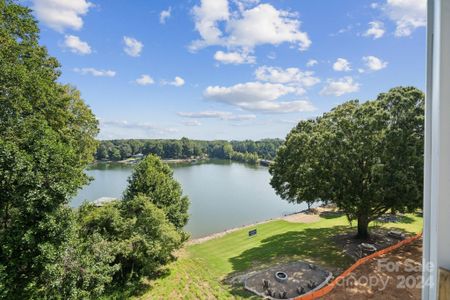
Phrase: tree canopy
{"type": "Point", "coordinates": [47, 138]}
{"type": "Point", "coordinates": [153, 179]}
{"type": "Point", "coordinates": [365, 157]}
{"type": "Point", "coordinates": [137, 234]}
{"type": "Point", "coordinates": [144, 229]}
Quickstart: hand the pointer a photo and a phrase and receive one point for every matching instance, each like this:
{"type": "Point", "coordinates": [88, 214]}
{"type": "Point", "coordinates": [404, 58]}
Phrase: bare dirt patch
{"type": "Point", "coordinates": [379, 238]}
{"type": "Point", "coordinates": [302, 218]}
{"type": "Point", "coordinates": [395, 275]}
{"type": "Point", "coordinates": [313, 215]}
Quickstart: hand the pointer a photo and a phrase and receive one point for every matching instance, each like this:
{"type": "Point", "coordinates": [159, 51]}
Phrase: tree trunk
{"type": "Point", "coordinates": [363, 227]}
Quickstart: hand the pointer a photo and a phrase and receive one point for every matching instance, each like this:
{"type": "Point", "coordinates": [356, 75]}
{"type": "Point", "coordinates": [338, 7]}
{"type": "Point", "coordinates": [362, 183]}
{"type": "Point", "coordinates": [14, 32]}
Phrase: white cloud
{"type": "Point", "coordinates": [280, 107]}
{"type": "Point", "coordinates": [192, 123]}
{"type": "Point", "coordinates": [408, 15]}
{"type": "Point", "coordinates": [127, 124]}
{"type": "Point", "coordinates": [221, 115]}
{"type": "Point", "coordinates": [235, 58]}
{"type": "Point", "coordinates": [248, 92]}
{"type": "Point", "coordinates": [339, 87]}
{"type": "Point", "coordinates": [145, 79]}
{"type": "Point", "coordinates": [205, 114]}
{"type": "Point", "coordinates": [311, 63]}
{"type": "Point", "coordinates": [342, 65]}
{"type": "Point", "coordinates": [61, 14]}
{"type": "Point", "coordinates": [177, 81]}
{"type": "Point", "coordinates": [132, 47]}
{"type": "Point", "coordinates": [126, 129]}
{"type": "Point", "coordinates": [240, 118]}
{"type": "Point", "coordinates": [76, 45]}
{"type": "Point", "coordinates": [207, 16]}
{"type": "Point", "coordinates": [291, 76]}
{"type": "Point", "coordinates": [244, 4]}
{"type": "Point", "coordinates": [374, 63]}
{"type": "Point", "coordinates": [246, 28]}
{"type": "Point", "coordinates": [164, 15]}
{"type": "Point", "coordinates": [257, 96]}
{"type": "Point", "coordinates": [343, 30]}
{"type": "Point", "coordinates": [376, 30]}
{"type": "Point", "coordinates": [264, 24]}
{"type": "Point", "coordinates": [95, 72]}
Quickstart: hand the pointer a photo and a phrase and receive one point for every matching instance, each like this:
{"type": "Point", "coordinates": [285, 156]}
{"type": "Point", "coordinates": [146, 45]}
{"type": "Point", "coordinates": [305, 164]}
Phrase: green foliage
{"type": "Point", "coordinates": [47, 138]}
{"type": "Point", "coordinates": [81, 269]}
{"type": "Point", "coordinates": [186, 148]}
{"type": "Point", "coordinates": [153, 178]}
{"type": "Point", "coordinates": [136, 233]}
{"type": "Point", "coordinates": [154, 236]}
{"type": "Point", "coordinates": [249, 158]}
{"type": "Point", "coordinates": [3, 282]}
{"type": "Point", "coordinates": [367, 158]}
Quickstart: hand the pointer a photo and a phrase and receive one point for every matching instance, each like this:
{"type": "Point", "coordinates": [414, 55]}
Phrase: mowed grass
{"type": "Point", "coordinates": [202, 270]}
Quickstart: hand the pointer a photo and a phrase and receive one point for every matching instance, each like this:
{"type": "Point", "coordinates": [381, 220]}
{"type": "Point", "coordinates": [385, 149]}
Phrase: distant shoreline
{"type": "Point", "coordinates": [130, 161]}
{"type": "Point", "coordinates": [133, 161]}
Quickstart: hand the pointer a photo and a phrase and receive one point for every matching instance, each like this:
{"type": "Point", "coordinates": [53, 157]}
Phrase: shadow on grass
{"type": "Point", "coordinates": [239, 291]}
{"type": "Point", "coordinates": [311, 244]}
{"type": "Point", "coordinates": [314, 244]}
{"type": "Point", "coordinates": [134, 288]}
{"type": "Point", "coordinates": [127, 291]}
{"type": "Point", "coordinates": [406, 220]}
{"type": "Point", "coordinates": [394, 219]}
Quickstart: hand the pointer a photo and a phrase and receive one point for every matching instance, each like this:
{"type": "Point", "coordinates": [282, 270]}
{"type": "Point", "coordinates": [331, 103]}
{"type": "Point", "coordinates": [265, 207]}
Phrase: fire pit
{"type": "Point", "coordinates": [287, 281]}
{"type": "Point", "coordinates": [281, 276]}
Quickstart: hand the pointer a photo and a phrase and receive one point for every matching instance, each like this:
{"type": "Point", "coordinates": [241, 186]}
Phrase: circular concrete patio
{"type": "Point", "coordinates": [288, 280]}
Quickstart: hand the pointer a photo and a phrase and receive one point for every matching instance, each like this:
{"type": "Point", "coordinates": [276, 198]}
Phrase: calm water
{"type": "Point", "coordinates": [223, 195]}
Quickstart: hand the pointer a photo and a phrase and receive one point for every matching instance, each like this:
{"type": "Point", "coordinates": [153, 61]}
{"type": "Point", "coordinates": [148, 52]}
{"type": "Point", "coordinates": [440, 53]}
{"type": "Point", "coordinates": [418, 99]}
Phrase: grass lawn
{"type": "Point", "coordinates": [200, 271]}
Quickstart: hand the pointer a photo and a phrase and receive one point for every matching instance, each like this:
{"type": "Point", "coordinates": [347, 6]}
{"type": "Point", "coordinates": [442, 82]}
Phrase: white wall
{"type": "Point", "coordinates": [437, 146]}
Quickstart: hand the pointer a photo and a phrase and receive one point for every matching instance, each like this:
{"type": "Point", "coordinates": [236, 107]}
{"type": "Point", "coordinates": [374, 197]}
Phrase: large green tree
{"type": "Point", "coordinates": [47, 137]}
{"type": "Point", "coordinates": [153, 179]}
{"type": "Point", "coordinates": [367, 158]}
{"type": "Point", "coordinates": [137, 234]}
{"type": "Point", "coordinates": [144, 229]}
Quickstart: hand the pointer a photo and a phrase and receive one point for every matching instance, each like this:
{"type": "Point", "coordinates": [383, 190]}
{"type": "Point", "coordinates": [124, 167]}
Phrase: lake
{"type": "Point", "coordinates": [223, 194]}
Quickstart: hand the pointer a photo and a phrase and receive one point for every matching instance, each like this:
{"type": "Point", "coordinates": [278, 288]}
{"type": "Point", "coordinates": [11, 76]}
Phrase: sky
{"type": "Point", "coordinates": [229, 69]}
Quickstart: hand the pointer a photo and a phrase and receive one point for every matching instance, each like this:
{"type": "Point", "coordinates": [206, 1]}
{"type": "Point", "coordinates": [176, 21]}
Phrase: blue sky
{"type": "Point", "coordinates": [229, 69]}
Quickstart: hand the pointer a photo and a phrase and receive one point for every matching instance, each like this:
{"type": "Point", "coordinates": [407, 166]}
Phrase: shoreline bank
{"type": "Point", "coordinates": [132, 161]}
{"type": "Point", "coordinates": [304, 216]}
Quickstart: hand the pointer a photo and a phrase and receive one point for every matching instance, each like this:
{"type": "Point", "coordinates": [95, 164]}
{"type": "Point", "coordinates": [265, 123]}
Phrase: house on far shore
{"type": "Point", "coordinates": [103, 200]}
{"type": "Point", "coordinates": [138, 155]}
{"type": "Point", "coordinates": [265, 162]}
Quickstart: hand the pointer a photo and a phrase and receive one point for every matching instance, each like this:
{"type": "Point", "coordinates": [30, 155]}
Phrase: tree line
{"type": "Point", "coordinates": [47, 139]}
{"type": "Point", "coordinates": [244, 151]}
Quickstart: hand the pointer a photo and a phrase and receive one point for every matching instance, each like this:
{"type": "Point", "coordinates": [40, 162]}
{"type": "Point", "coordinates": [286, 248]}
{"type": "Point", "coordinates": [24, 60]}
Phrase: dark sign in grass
{"type": "Point", "coordinates": [252, 232]}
